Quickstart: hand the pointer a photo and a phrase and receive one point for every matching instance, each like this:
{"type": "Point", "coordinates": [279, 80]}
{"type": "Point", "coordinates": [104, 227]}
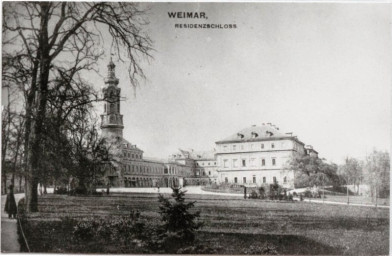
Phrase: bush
{"type": "Point", "coordinates": [253, 195]}
{"type": "Point", "coordinates": [129, 231]}
{"type": "Point", "coordinates": [61, 191]}
{"type": "Point", "coordinates": [179, 223]}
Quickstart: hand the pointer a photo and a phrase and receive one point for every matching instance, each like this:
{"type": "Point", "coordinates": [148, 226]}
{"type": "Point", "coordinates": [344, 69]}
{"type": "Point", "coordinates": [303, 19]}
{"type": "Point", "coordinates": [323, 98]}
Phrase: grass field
{"type": "Point", "coordinates": [233, 224]}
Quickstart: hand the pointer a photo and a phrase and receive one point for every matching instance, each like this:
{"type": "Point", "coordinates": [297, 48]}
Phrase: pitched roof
{"type": "Point", "coordinates": [127, 144]}
{"type": "Point", "coordinates": [196, 155]}
{"type": "Point", "coordinates": [258, 133]}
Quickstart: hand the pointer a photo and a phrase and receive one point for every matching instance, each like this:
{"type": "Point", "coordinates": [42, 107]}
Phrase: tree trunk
{"type": "Point", "coordinates": [34, 150]}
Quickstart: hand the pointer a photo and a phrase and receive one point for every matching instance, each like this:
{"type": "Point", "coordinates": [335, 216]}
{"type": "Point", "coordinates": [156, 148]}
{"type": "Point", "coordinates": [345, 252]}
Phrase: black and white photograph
{"type": "Point", "coordinates": [219, 128]}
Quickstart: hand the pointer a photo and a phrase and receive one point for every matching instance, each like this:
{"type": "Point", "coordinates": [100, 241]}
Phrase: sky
{"type": "Point", "coordinates": [321, 71]}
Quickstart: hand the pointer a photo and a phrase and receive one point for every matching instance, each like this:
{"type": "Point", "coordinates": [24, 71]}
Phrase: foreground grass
{"type": "Point", "coordinates": [231, 224]}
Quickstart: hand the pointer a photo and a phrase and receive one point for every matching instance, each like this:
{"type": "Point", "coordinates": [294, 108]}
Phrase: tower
{"type": "Point", "coordinates": [111, 119]}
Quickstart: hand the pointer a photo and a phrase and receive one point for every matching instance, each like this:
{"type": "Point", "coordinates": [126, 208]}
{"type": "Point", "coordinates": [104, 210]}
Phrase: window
{"type": "Point", "coordinates": [132, 156]}
{"type": "Point", "coordinates": [209, 173]}
{"type": "Point", "coordinates": [242, 147]}
{"type": "Point", "coordinates": [273, 161]}
{"type": "Point", "coordinates": [263, 162]}
{"type": "Point", "coordinates": [235, 180]}
{"type": "Point", "coordinates": [226, 180]}
{"type": "Point", "coordinates": [235, 163]}
{"type": "Point", "coordinates": [264, 180]}
{"type": "Point", "coordinates": [254, 179]}
{"type": "Point", "coordinates": [244, 180]}
{"type": "Point", "coordinates": [243, 162]}
{"type": "Point", "coordinates": [226, 163]}
{"type": "Point", "coordinates": [214, 163]}
{"type": "Point", "coordinates": [208, 163]}
{"type": "Point", "coordinates": [225, 148]}
{"type": "Point", "coordinates": [251, 146]}
{"type": "Point", "coordinates": [234, 147]}
{"type": "Point", "coordinates": [118, 107]}
{"type": "Point", "coordinates": [272, 145]}
{"type": "Point", "coordinates": [274, 179]}
{"type": "Point", "coordinates": [262, 145]}
{"type": "Point", "coordinates": [104, 107]}
{"type": "Point", "coordinates": [285, 179]}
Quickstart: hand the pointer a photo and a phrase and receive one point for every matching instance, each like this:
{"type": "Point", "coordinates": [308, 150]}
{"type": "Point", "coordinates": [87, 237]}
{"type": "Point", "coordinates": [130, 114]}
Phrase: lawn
{"type": "Point", "coordinates": [231, 224]}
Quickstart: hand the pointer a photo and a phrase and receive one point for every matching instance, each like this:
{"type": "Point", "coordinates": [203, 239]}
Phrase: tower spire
{"type": "Point", "coordinates": [111, 119]}
{"type": "Point", "coordinates": [111, 77]}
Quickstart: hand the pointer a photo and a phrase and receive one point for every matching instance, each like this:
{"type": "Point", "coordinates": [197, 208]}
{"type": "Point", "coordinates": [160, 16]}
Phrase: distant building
{"type": "Point", "coordinates": [258, 155]}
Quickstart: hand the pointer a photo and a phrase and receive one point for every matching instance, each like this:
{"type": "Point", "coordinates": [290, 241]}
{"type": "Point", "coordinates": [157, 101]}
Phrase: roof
{"type": "Point", "coordinates": [119, 141]}
{"type": "Point", "coordinates": [127, 144]}
{"type": "Point", "coordinates": [198, 155]}
{"type": "Point", "coordinates": [264, 132]}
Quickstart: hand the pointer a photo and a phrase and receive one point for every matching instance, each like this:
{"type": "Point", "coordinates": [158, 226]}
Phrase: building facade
{"type": "Point", "coordinates": [258, 155]}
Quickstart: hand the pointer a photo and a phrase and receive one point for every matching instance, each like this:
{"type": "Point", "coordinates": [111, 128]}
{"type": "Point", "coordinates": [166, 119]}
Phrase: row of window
{"type": "Point", "coordinates": [203, 173]}
{"type": "Point", "coordinates": [254, 180]}
{"type": "Point", "coordinates": [175, 170]}
{"type": "Point", "coordinates": [253, 162]}
{"type": "Point", "coordinates": [132, 156]}
{"type": "Point", "coordinates": [141, 169]}
{"type": "Point", "coordinates": [202, 163]}
{"type": "Point", "coordinates": [252, 146]}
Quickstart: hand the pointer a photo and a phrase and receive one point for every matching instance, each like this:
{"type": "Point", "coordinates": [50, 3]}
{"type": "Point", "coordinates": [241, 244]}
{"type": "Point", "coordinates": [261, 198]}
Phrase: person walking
{"type": "Point", "coordinates": [10, 204]}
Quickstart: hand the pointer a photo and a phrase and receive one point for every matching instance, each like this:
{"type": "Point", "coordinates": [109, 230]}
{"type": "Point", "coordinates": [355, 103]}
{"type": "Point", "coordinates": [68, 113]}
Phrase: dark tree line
{"type": "Point", "coordinates": [48, 49]}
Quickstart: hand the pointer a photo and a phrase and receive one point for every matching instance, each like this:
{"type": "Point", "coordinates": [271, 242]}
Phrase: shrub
{"type": "Point", "coordinates": [179, 223]}
{"type": "Point", "coordinates": [253, 195]}
{"type": "Point", "coordinates": [61, 191]}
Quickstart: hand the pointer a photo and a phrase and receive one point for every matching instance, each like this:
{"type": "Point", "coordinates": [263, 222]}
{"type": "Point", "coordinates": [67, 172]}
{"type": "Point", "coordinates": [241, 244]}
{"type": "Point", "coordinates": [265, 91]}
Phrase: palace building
{"type": "Point", "coordinates": [256, 155]}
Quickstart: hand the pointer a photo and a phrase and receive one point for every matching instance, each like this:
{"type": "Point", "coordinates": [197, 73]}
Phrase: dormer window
{"type": "Point", "coordinates": [240, 135]}
{"type": "Point", "coordinates": [254, 135]}
{"type": "Point", "coordinates": [269, 133]}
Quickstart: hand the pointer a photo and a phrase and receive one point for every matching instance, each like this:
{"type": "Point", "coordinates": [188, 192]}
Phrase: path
{"type": "Point", "coordinates": [190, 190]}
{"type": "Point", "coordinates": [318, 201]}
{"type": "Point", "coordinates": [9, 235]}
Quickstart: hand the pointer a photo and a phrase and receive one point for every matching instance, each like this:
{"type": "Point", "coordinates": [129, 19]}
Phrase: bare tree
{"type": "Point", "coordinates": [12, 139]}
{"type": "Point", "coordinates": [377, 173]}
{"type": "Point", "coordinates": [351, 171]}
{"type": "Point", "coordinates": [44, 41]}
